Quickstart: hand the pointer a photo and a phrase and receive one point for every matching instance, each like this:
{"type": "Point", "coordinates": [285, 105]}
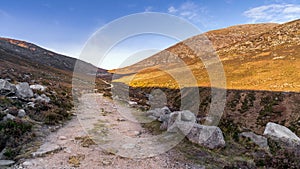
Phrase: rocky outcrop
{"type": "Point", "coordinates": [279, 132]}
{"type": "Point", "coordinates": [19, 109]}
{"type": "Point", "coordinates": [185, 123]}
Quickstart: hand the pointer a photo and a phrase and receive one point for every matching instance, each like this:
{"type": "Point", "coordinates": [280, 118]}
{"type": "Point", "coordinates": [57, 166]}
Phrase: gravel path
{"type": "Point", "coordinates": [71, 146]}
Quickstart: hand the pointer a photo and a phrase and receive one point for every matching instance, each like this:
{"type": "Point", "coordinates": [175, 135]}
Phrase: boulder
{"type": "Point", "coordinates": [21, 113]}
{"type": "Point", "coordinates": [6, 88]}
{"type": "Point", "coordinates": [43, 98]}
{"type": "Point", "coordinates": [23, 90]}
{"type": "Point", "coordinates": [276, 131]}
{"type": "Point", "coordinates": [38, 87]}
{"type": "Point", "coordinates": [176, 122]}
{"type": "Point", "coordinates": [261, 141]}
{"type": "Point", "coordinates": [207, 136]}
{"type": "Point", "coordinates": [9, 117]}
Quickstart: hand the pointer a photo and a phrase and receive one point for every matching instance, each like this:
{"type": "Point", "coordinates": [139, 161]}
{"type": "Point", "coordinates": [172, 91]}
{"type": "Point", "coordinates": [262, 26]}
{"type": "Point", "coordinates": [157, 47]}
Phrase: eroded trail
{"type": "Point", "coordinates": [72, 147]}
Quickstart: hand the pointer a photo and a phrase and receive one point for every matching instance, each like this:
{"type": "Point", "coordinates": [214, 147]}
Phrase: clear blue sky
{"type": "Point", "coordinates": [64, 25]}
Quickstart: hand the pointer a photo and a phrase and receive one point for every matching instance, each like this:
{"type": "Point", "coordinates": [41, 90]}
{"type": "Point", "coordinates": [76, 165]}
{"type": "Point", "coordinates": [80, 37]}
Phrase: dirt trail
{"type": "Point", "coordinates": [73, 149]}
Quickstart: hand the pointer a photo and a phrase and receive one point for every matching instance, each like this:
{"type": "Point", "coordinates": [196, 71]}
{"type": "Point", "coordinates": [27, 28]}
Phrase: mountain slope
{"type": "Point", "coordinates": [219, 39]}
{"type": "Point", "coordinates": [266, 61]}
{"type": "Point", "coordinates": [45, 57]}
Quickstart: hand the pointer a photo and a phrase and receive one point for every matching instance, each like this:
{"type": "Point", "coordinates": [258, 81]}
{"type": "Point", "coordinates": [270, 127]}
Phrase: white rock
{"type": "Point", "coordinates": [137, 133]}
{"type": "Point", "coordinates": [38, 87]}
{"type": "Point", "coordinates": [21, 113]}
{"type": "Point", "coordinates": [23, 90]}
{"type": "Point", "coordinates": [207, 136]}
{"type": "Point", "coordinates": [132, 103]}
{"type": "Point", "coordinates": [278, 131]}
{"type": "Point", "coordinates": [9, 117]}
{"type": "Point", "coordinates": [27, 164]}
{"type": "Point", "coordinates": [31, 104]}
{"type": "Point", "coordinates": [6, 87]}
{"type": "Point", "coordinates": [62, 138]}
{"type": "Point", "coordinates": [176, 122]}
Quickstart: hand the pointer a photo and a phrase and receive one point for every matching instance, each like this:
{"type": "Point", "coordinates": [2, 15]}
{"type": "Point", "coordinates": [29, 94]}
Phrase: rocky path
{"type": "Point", "coordinates": [71, 146]}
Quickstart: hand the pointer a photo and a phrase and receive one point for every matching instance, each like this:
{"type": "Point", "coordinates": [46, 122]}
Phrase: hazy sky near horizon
{"type": "Point", "coordinates": [64, 26]}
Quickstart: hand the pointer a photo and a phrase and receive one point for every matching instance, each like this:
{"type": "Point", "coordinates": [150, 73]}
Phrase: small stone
{"type": "Point", "coordinates": [106, 162]}
{"type": "Point", "coordinates": [137, 133]}
{"type": "Point", "coordinates": [62, 138]}
{"type": "Point", "coordinates": [21, 113]}
{"type": "Point", "coordinates": [31, 104]}
{"type": "Point", "coordinates": [38, 87]}
{"type": "Point", "coordinates": [121, 119]}
{"type": "Point", "coordinates": [27, 163]}
{"type": "Point", "coordinates": [132, 103]}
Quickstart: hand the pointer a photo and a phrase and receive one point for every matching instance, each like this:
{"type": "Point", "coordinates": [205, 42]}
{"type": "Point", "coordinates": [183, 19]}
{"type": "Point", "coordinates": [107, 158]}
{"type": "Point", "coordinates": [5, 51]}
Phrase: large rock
{"type": "Point", "coordinates": [261, 141]}
{"type": "Point", "coordinates": [6, 88]}
{"type": "Point", "coordinates": [276, 131]}
{"type": "Point", "coordinates": [207, 136]}
{"type": "Point", "coordinates": [181, 121]}
{"type": "Point", "coordinates": [24, 90]}
{"type": "Point", "coordinates": [21, 113]}
{"type": "Point", "coordinates": [9, 117]}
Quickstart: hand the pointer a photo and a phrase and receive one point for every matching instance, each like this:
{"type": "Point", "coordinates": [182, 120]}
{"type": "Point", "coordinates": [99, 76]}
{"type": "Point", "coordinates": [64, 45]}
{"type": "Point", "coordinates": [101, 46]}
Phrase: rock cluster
{"type": "Point", "coordinates": [17, 101]}
{"type": "Point", "coordinates": [185, 122]}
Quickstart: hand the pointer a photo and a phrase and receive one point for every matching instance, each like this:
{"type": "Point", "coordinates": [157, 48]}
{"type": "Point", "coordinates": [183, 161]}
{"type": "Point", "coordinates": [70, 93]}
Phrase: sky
{"type": "Point", "coordinates": [64, 26]}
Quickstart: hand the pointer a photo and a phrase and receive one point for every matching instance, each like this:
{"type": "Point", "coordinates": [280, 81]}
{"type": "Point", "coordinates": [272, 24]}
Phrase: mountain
{"type": "Point", "coordinates": [219, 39]}
{"type": "Point", "coordinates": [34, 53]}
{"type": "Point", "coordinates": [45, 106]}
{"type": "Point", "coordinates": [259, 57]}
{"type": "Point", "coordinates": [261, 65]}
